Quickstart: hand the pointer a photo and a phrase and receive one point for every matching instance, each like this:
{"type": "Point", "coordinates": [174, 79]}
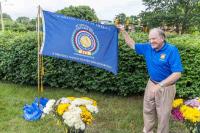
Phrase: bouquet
{"type": "Point", "coordinates": [74, 113]}
{"type": "Point", "coordinates": [188, 112]}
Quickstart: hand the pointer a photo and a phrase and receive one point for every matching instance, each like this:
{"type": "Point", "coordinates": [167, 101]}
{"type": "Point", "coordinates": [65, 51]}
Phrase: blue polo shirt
{"type": "Point", "coordinates": [161, 63]}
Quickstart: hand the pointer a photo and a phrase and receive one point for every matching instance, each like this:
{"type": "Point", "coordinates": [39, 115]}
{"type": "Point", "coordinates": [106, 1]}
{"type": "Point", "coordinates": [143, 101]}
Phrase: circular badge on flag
{"type": "Point", "coordinates": [84, 41]}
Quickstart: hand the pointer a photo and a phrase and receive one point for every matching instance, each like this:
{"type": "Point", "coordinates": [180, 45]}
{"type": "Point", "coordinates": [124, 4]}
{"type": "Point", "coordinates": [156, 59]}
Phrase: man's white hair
{"type": "Point", "coordinates": [159, 31]}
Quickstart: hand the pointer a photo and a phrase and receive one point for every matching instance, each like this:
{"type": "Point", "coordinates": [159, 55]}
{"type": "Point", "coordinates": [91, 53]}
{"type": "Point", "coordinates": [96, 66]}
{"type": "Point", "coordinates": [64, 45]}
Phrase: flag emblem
{"type": "Point", "coordinates": [84, 40]}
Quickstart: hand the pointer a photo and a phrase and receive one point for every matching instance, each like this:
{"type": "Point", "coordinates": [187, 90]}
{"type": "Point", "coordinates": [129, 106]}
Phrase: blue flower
{"type": "Point", "coordinates": [41, 103]}
{"type": "Point", "coordinates": [32, 112]}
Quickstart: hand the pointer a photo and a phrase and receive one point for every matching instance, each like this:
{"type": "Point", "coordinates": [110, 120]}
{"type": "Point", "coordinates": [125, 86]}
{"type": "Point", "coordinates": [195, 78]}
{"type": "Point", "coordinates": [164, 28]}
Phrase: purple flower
{"type": "Point", "coordinates": [177, 115]}
{"type": "Point", "coordinates": [192, 103]}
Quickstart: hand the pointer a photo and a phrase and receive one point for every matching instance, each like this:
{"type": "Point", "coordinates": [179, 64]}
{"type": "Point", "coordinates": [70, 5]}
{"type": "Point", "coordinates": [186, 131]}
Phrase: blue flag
{"type": "Point", "coordinates": [80, 40]}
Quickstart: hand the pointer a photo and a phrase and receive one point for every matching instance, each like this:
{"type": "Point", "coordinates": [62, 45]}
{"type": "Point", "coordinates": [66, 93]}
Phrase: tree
{"type": "Point", "coordinates": [152, 19]}
{"type": "Point", "coordinates": [134, 20]}
{"type": "Point", "coordinates": [130, 22]}
{"type": "Point", "coordinates": [181, 14]}
{"type": "Point", "coordinates": [23, 20]}
{"type": "Point", "coordinates": [32, 25]}
{"type": "Point", "coordinates": [22, 24]}
{"type": "Point", "coordinates": [6, 16]}
{"type": "Point", "coordinates": [8, 24]}
{"type": "Point", "coordinates": [121, 18]}
{"type": "Point", "coordinates": [81, 12]}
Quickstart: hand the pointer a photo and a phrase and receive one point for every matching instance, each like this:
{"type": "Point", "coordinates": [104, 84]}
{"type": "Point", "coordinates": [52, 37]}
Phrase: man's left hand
{"type": "Point", "coordinates": [157, 87]}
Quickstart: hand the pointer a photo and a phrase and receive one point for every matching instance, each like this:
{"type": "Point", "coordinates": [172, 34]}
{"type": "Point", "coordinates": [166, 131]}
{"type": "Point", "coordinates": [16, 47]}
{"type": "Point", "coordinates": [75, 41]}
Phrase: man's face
{"type": "Point", "coordinates": [156, 40]}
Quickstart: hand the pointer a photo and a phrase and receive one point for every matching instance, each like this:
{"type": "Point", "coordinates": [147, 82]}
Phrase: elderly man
{"type": "Point", "coordinates": [164, 68]}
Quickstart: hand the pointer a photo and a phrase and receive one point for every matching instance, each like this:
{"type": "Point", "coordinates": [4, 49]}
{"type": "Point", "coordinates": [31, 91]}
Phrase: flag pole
{"type": "Point", "coordinates": [1, 13]}
{"type": "Point", "coordinates": [40, 60]}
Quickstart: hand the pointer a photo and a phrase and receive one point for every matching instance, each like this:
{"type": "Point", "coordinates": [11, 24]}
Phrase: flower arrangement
{"type": "Point", "coordinates": [74, 113]}
{"type": "Point", "coordinates": [188, 112]}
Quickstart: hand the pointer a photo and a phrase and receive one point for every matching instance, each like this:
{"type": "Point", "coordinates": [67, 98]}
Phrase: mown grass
{"type": "Point", "coordinates": [116, 114]}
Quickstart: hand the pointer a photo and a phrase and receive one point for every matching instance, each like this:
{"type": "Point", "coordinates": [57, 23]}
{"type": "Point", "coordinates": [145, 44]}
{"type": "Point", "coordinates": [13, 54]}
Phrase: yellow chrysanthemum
{"type": "Point", "coordinates": [71, 98]}
{"type": "Point", "coordinates": [62, 108]}
{"type": "Point", "coordinates": [86, 115]}
{"type": "Point", "coordinates": [177, 103]}
{"type": "Point", "coordinates": [94, 103]}
{"type": "Point", "coordinates": [191, 114]}
{"type": "Point", "coordinates": [199, 99]}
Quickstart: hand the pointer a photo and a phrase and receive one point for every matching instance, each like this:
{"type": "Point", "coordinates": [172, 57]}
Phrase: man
{"type": "Point", "coordinates": [164, 68]}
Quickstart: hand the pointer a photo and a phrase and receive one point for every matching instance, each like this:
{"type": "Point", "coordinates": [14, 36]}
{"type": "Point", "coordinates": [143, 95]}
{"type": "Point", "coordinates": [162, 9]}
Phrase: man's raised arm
{"type": "Point", "coordinates": [129, 41]}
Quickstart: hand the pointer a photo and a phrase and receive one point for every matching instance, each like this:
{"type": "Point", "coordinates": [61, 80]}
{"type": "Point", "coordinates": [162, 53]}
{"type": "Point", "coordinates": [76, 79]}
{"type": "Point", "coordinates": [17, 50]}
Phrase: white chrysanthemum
{"type": "Point", "coordinates": [73, 119]}
{"type": "Point", "coordinates": [79, 101]}
{"type": "Point", "coordinates": [63, 100]}
{"type": "Point", "coordinates": [92, 109]}
{"type": "Point", "coordinates": [49, 106]}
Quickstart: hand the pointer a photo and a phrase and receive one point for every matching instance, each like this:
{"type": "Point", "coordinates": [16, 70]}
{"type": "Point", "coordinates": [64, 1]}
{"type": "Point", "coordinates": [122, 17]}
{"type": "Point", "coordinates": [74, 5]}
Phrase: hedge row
{"type": "Point", "coordinates": [18, 63]}
{"type": "Point", "coordinates": [189, 48]}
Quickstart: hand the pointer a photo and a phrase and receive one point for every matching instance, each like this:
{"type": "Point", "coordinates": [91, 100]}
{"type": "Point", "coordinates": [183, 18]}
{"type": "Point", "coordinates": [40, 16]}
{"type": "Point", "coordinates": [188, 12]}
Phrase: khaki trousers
{"type": "Point", "coordinates": [157, 104]}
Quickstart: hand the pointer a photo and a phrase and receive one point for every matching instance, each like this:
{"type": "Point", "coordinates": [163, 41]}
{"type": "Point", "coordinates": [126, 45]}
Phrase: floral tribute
{"type": "Point", "coordinates": [188, 112]}
{"type": "Point", "coordinates": [74, 113]}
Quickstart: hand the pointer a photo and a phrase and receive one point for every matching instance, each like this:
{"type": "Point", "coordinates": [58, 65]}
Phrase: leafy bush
{"type": "Point", "coordinates": [18, 57]}
{"type": "Point", "coordinates": [189, 48]}
{"type": "Point", "coordinates": [18, 64]}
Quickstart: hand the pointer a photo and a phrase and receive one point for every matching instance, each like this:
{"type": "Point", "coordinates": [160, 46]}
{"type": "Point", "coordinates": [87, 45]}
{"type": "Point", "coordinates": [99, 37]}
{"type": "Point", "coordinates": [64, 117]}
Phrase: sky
{"type": "Point", "coordinates": [105, 9]}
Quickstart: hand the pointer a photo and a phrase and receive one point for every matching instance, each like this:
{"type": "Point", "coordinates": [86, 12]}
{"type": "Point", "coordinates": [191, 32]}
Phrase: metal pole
{"type": "Point", "coordinates": [1, 13]}
{"type": "Point", "coordinates": [39, 58]}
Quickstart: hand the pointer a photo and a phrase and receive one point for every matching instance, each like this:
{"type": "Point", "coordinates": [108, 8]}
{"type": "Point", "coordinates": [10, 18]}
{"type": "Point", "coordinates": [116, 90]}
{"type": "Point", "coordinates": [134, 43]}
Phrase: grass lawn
{"type": "Point", "coordinates": [116, 114]}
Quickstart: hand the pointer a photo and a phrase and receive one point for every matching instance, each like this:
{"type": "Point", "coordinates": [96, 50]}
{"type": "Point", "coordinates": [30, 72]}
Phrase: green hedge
{"type": "Point", "coordinates": [189, 48]}
{"type": "Point", "coordinates": [18, 64]}
{"type": "Point", "coordinates": [18, 61]}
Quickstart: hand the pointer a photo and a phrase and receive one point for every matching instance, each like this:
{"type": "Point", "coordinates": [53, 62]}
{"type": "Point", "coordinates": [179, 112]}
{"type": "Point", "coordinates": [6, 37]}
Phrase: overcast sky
{"type": "Point", "coordinates": [105, 9]}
